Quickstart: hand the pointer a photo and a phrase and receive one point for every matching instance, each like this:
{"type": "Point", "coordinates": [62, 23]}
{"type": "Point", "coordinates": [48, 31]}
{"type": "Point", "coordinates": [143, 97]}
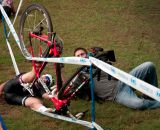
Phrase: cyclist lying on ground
{"type": "Point", "coordinates": [114, 90]}
{"type": "Point", "coordinates": [16, 93]}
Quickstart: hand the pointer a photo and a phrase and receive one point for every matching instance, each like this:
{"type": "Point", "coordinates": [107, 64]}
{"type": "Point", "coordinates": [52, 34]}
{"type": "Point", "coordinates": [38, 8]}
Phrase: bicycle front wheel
{"type": "Point", "coordinates": [35, 20]}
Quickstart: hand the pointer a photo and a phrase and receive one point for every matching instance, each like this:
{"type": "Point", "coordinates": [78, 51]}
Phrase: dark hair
{"type": "Point", "coordinates": [80, 48]}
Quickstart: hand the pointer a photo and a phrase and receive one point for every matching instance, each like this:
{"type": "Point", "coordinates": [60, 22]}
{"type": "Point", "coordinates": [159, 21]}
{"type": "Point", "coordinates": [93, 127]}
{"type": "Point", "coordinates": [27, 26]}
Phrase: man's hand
{"type": "Point", "coordinates": [2, 88]}
{"type": "Point", "coordinates": [54, 92]}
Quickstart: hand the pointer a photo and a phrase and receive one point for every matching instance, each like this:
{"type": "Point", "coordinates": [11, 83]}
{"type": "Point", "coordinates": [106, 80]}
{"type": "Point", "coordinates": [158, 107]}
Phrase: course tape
{"type": "Point", "coordinates": [13, 58]}
{"type": "Point", "coordinates": [10, 25]}
{"type": "Point", "coordinates": [73, 120]}
{"type": "Point", "coordinates": [67, 60]}
{"type": "Point", "coordinates": [19, 6]}
{"type": "Point", "coordinates": [134, 82]}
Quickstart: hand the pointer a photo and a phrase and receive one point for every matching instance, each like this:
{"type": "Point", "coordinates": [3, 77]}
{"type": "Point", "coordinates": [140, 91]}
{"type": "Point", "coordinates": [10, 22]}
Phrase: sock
{"type": "Point", "coordinates": [42, 109]}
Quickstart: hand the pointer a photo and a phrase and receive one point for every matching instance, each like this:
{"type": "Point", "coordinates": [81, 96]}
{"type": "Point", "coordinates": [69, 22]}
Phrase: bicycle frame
{"type": "Point", "coordinates": [43, 38]}
{"type": "Point", "coordinates": [58, 104]}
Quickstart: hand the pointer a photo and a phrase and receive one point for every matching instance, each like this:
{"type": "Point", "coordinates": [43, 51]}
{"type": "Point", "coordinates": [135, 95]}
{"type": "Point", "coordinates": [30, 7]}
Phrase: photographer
{"type": "Point", "coordinates": [114, 90]}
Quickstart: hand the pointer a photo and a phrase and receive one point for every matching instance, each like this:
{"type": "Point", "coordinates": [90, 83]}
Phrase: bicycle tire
{"type": "Point", "coordinates": [64, 87]}
{"type": "Point", "coordinates": [33, 18]}
{"type": "Point", "coordinates": [104, 56]}
{"type": "Point", "coordinates": [73, 89]}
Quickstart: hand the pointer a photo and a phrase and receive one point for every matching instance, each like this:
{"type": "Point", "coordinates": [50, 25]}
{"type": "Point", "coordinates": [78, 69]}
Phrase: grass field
{"type": "Point", "coordinates": [131, 28]}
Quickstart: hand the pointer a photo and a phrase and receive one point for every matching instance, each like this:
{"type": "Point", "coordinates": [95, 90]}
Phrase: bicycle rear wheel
{"type": "Point", "coordinates": [73, 84]}
{"type": "Point", "coordinates": [36, 20]}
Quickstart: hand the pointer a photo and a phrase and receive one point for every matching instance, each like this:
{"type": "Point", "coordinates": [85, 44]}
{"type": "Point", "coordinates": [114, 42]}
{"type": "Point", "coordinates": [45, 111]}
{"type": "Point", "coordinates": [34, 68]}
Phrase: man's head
{"type": "Point", "coordinates": [47, 78]}
{"type": "Point", "coordinates": [80, 52]}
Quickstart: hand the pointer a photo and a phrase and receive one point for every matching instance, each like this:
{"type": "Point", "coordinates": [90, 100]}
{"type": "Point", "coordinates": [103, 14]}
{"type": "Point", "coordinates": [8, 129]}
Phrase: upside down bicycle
{"type": "Point", "coordinates": [37, 39]}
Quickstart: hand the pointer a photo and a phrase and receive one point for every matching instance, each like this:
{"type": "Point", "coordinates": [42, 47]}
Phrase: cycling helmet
{"type": "Point", "coordinates": [47, 78]}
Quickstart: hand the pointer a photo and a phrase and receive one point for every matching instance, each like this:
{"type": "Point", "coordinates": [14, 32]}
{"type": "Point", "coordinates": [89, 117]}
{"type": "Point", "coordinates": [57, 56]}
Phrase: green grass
{"type": "Point", "coordinates": [131, 28]}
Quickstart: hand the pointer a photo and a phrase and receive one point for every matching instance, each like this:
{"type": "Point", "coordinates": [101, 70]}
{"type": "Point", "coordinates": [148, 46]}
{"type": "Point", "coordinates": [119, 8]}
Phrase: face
{"type": "Point", "coordinates": [80, 53]}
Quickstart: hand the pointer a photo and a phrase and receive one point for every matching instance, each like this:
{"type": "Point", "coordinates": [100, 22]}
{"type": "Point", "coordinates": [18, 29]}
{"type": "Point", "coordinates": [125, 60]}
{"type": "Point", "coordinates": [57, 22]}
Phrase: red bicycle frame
{"type": "Point", "coordinates": [58, 104]}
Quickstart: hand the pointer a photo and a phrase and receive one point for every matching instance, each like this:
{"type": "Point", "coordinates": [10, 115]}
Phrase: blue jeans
{"type": "Point", "coordinates": [126, 95]}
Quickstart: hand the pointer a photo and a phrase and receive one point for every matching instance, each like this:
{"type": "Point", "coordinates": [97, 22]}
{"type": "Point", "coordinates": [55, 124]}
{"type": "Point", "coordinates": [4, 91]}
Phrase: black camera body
{"type": "Point", "coordinates": [105, 56]}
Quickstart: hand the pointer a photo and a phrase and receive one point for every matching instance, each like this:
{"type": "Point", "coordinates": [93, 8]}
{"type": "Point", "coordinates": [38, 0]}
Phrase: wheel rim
{"type": "Point", "coordinates": [34, 21]}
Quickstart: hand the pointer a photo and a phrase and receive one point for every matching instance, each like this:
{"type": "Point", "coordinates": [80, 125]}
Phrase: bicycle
{"type": "Point", "coordinates": [47, 46]}
{"type": "Point", "coordinates": [42, 31]}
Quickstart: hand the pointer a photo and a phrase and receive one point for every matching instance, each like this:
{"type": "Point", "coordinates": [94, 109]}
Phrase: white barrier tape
{"type": "Point", "coordinates": [73, 120]}
{"type": "Point", "coordinates": [97, 126]}
{"type": "Point", "coordinates": [9, 47]}
{"type": "Point", "coordinates": [13, 58]}
{"type": "Point", "coordinates": [67, 60]}
{"type": "Point", "coordinates": [132, 81]}
{"type": "Point", "coordinates": [10, 25]}
{"type": "Point", "coordinates": [12, 30]}
{"type": "Point", "coordinates": [19, 6]}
